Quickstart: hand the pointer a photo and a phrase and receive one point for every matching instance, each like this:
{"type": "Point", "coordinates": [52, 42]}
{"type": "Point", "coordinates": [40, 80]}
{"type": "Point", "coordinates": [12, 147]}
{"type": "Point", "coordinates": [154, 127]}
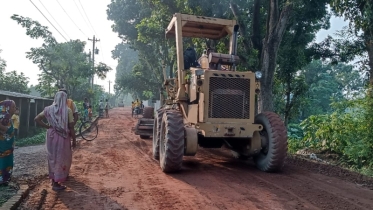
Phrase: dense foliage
{"type": "Point", "coordinates": [346, 132]}
{"type": "Point", "coordinates": [56, 60]}
{"type": "Point", "coordinates": [12, 81]}
{"type": "Point", "coordinates": [141, 25]}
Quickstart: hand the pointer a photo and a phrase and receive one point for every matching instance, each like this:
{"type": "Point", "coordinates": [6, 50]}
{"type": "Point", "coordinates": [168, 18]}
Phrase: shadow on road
{"type": "Point", "coordinates": [78, 192]}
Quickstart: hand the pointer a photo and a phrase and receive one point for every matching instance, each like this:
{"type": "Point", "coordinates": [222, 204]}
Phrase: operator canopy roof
{"type": "Point", "coordinates": [200, 27]}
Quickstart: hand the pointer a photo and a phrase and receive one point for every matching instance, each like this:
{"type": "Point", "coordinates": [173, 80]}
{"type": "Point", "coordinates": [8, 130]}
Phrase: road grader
{"type": "Point", "coordinates": [211, 105]}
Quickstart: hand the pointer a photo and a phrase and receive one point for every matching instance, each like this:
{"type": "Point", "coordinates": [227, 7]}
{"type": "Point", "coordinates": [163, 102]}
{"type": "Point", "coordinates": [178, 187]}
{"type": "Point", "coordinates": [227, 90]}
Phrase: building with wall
{"type": "Point", "coordinates": [29, 106]}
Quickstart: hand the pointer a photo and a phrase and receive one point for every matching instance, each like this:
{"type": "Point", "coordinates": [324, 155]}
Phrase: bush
{"type": "Point", "coordinates": [295, 136]}
{"type": "Point", "coordinates": [348, 132]}
{"type": "Point", "coordinates": [295, 131]}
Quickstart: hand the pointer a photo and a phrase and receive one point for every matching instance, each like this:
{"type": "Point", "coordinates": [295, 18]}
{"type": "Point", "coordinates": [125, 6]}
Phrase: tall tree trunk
{"type": "Point", "coordinates": [288, 104]}
{"type": "Point", "coordinates": [369, 44]}
{"type": "Point", "coordinates": [276, 26]}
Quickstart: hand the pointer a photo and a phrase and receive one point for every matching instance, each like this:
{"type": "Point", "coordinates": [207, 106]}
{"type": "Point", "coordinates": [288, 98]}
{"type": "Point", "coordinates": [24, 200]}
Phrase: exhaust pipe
{"type": "Point", "coordinates": [234, 50]}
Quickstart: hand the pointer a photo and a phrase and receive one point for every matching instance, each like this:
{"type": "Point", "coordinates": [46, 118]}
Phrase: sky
{"type": "Point", "coordinates": [15, 43]}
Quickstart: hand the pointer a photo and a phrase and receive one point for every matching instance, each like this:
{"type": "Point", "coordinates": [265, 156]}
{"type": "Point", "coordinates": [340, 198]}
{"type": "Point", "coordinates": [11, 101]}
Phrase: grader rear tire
{"type": "Point", "coordinates": [272, 156]}
{"type": "Point", "coordinates": [148, 112]}
{"type": "Point", "coordinates": [172, 138]}
{"type": "Point", "coordinates": [157, 133]}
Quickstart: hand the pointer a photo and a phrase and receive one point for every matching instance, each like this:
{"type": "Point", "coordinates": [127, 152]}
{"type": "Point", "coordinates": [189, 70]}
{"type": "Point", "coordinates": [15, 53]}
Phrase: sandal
{"type": "Point", "coordinates": [58, 187]}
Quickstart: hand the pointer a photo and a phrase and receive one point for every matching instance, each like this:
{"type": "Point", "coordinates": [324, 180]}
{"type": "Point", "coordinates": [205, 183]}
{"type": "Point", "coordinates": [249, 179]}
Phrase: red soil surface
{"type": "Point", "coordinates": [117, 171]}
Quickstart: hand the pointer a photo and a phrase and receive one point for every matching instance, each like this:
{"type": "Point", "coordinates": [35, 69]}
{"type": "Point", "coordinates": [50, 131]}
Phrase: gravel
{"type": "Point", "coordinates": [30, 162]}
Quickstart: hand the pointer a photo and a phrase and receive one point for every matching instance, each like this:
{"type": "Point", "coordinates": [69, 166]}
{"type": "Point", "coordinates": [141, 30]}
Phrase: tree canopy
{"type": "Point", "coordinates": [143, 31]}
{"type": "Point", "coordinates": [354, 42]}
{"type": "Point", "coordinates": [12, 81]}
{"type": "Point", "coordinates": [2, 63]}
{"type": "Point", "coordinates": [61, 64]}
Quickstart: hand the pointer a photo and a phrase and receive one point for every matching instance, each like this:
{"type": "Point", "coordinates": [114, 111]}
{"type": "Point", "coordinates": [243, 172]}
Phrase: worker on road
{"type": "Point", "coordinates": [133, 107]}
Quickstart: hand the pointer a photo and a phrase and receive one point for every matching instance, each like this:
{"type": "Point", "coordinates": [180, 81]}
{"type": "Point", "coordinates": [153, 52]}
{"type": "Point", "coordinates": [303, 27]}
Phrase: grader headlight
{"type": "Point", "coordinates": [258, 74]}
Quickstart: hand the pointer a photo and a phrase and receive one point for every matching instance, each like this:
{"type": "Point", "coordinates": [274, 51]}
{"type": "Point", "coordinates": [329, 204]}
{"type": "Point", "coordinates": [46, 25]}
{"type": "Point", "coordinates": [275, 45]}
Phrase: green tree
{"type": "Point", "coordinates": [46, 86]}
{"type": "Point", "coordinates": [259, 20]}
{"type": "Point", "coordinates": [62, 64]}
{"type": "Point", "coordinates": [273, 22]}
{"type": "Point", "coordinates": [360, 15]}
{"type": "Point", "coordinates": [2, 64]}
{"type": "Point", "coordinates": [143, 31]}
{"type": "Point", "coordinates": [326, 84]}
{"type": "Point", "coordinates": [294, 54]}
{"type": "Point", "coordinates": [127, 59]}
{"type": "Point", "coordinates": [12, 81]}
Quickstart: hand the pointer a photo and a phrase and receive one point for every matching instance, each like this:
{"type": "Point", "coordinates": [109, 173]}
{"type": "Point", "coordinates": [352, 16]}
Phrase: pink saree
{"type": "Point", "coordinates": [58, 143]}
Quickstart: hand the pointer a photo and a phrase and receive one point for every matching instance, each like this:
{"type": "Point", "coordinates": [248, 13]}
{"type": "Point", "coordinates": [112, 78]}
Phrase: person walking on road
{"type": "Point", "coordinates": [85, 107]}
{"type": "Point", "coordinates": [60, 129]}
{"type": "Point", "coordinates": [101, 108]}
{"type": "Point", "coordinates": [7, 109]}
{"type": "Point", "coordinates": [107, 108]}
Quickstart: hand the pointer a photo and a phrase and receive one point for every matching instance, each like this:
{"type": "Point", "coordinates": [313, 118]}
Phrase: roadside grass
{"type": "Point", "coordinates": [332, 158]}
{"type": "Point", "coordinates": [33, 140]}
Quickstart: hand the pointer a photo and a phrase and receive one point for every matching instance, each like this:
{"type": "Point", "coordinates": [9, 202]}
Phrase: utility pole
{"type": "Point", "coordinates": [94, 40]}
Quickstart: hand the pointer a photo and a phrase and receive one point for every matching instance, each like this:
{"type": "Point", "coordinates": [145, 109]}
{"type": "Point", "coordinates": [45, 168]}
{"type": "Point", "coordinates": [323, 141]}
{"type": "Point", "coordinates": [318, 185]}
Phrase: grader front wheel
{"type": "Point", "coordinates": [172, 136]}
{"type": "Point", "coordinates": [274, 142]}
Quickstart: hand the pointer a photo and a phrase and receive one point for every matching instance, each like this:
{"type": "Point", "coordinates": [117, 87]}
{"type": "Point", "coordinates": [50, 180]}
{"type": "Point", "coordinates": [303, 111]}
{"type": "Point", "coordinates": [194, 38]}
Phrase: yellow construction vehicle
{"type": "Point", "coordinates": [209, 104]}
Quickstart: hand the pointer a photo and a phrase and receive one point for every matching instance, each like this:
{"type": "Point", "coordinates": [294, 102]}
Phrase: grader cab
{"type": "Point", "coordinates": [211, 104]}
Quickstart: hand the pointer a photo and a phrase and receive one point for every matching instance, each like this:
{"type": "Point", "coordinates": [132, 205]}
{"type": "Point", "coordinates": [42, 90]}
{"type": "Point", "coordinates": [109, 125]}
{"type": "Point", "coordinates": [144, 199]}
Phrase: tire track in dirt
{"type": "Point", "coordinates": [117, 171]}
{"type": "Point", "coordinates": [291, 186]}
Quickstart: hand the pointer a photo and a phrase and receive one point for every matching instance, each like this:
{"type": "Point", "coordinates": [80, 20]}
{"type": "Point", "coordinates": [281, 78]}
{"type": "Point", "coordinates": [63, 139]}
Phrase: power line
{"type": "Point", "coordinates": [82, 16]}
{"type": "Point", "coordinates": [49, 21]}
{"type": "Point", "coordinates": [87, 17]}
{"type": "Point", "coordinates": [102, 54]}
{"type": "Point", "coordinates": [70, 18]}
{"type": "Point", "coordinates": [54, 19]}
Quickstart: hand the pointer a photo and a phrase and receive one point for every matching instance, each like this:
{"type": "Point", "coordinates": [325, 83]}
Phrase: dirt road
{"type": "Point", "coordinates": [116, 171]}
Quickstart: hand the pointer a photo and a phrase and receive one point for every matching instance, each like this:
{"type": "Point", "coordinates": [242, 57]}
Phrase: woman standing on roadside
{"type": "Point", "coordinates": [60, 130]}
{"type": "Point", "coordinates": [7, 109]}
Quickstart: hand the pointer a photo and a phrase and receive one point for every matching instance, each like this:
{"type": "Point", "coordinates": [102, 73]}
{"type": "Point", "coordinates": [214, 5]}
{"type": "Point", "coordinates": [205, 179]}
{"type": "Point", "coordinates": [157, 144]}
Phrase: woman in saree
{"type": "Point", "coordinates": [60, 129]}
{"type": "Point", "coordinates": [7, 109]}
